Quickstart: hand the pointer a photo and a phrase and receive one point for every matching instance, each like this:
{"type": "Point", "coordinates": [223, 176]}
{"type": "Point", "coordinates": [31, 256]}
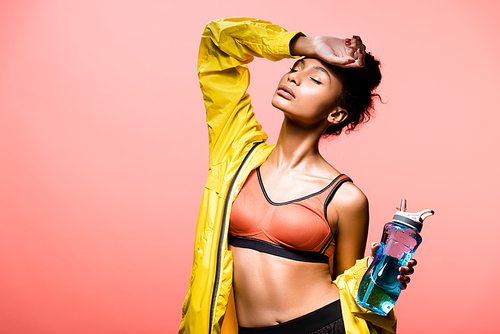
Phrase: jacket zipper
{"type": "Point", "coordinates": [221, 237]}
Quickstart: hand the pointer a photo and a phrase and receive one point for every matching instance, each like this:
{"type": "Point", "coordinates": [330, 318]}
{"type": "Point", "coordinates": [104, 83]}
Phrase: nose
{"type": "Point", "coordinates": [294, 77]}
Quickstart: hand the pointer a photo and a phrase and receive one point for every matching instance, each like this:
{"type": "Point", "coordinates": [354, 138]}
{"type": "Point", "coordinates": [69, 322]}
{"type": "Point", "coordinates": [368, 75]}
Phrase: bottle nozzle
{"type": "Point", "coordinates": [424, 214]}
{"type": "Point", "coordinates": [402, 208]}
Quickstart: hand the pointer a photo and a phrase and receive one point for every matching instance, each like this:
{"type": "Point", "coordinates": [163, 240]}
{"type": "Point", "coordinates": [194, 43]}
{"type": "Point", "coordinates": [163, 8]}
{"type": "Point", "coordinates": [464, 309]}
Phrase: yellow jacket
{"type": "Point", "coordinates": [236, 147]}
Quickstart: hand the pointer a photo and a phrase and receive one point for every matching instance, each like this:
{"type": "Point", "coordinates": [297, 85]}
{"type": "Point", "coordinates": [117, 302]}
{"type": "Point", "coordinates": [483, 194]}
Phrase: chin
{"type": "Point", "coordinates": [275, 102]}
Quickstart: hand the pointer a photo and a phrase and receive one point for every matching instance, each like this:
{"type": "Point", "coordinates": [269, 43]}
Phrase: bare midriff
{"type": "Point", "coordinates": [269, 290]}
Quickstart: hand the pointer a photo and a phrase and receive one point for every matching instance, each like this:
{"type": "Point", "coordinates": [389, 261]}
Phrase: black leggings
{"type": "Point", "coordinates": [325, 320]}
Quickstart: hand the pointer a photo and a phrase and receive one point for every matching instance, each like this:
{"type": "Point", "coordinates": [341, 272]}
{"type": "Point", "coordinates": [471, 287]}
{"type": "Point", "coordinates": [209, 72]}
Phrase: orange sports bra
{"type": "Point", "coordinates": [296, 229]}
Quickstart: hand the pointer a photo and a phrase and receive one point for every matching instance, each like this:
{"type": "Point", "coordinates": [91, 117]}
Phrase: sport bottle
{"type": "Point", "coordinates": [379, 289]}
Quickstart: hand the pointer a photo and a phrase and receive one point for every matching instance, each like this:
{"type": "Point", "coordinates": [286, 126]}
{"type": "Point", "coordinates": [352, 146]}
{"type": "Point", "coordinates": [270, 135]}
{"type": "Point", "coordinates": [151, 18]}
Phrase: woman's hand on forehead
{"type": "Point", "coordinates": [347, 52]}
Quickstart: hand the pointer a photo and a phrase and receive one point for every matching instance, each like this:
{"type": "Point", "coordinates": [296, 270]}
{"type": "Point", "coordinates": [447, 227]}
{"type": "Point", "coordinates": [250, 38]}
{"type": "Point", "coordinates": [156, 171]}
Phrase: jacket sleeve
{"type": "Point", "coordinates": [357, 319]}
{"type": "Point", "coordinates": [227, 45]}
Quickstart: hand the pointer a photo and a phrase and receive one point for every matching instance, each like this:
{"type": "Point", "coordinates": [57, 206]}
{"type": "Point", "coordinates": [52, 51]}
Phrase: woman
{"type": "Point", "coordinates": [297, 221]}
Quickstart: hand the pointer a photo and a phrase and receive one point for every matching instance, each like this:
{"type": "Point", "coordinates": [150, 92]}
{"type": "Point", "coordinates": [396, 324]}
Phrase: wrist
{"type": "Point", "coordinates": [302, 45]}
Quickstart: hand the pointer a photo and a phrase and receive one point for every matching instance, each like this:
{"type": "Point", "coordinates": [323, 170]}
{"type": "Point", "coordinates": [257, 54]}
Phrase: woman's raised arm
{"type": "Point", "coordinates": [226, 46]}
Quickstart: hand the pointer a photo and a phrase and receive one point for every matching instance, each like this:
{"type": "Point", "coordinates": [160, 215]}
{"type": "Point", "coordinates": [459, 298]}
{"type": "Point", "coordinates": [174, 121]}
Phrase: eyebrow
{"type": "Point", "coordinates": [320, 68]}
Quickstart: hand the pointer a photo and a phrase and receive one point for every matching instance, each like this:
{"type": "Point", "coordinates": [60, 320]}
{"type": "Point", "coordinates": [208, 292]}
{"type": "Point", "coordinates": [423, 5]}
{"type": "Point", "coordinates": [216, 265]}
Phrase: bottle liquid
{"type": "Point", "coordinates": [379, 289]}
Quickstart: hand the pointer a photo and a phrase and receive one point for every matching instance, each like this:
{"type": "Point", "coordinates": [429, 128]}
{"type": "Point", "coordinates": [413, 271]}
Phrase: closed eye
{"type": "Point", "coordinates": [316, 81]}
{"type": "Point", "coordinates": [323, 70]}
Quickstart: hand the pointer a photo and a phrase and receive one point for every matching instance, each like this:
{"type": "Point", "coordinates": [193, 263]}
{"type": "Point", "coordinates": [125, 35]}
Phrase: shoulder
{"type": "Point", "coordinates": [349, 204]}
{"type": "Point", "coordinates": [349, 197]}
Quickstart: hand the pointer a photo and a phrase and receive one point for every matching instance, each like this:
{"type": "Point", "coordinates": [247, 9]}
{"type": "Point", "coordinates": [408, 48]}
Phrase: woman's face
{"type": "Point", "coordinates": [308, 91]}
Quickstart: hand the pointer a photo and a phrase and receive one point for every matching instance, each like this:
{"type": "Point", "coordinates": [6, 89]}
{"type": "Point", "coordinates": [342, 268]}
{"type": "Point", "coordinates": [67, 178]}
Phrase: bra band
{"type": "Point", "coordinates": [269, 248]}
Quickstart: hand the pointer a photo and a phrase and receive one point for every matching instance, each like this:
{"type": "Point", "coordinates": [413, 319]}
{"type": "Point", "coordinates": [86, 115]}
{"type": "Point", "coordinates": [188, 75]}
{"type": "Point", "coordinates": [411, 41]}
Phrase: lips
{"type": "Point", "coordinates": [286, 92]}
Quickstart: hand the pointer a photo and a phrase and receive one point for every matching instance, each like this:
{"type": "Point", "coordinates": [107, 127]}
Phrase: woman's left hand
{"type": "Point", "coordinates": [342, 52]}
{"type": "Point", "coordinates": [408, 270]}
{"type": "Point", "coordinates": [404, 271]}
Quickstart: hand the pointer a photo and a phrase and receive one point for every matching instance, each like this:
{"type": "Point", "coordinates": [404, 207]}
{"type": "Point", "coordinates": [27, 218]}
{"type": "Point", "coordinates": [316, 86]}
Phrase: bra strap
{"type": "Point", "coordinates": [339, 180]}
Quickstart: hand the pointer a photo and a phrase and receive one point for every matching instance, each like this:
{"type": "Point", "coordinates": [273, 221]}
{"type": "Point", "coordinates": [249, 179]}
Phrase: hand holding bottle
{"type": "Point", "coordinates": [382, 282]}
{"type": "Point", "coordinates": [404, 271]}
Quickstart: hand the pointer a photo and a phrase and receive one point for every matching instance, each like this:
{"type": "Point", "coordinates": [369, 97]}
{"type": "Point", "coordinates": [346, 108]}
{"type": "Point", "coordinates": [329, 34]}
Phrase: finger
{"type": "Point", "coordinates": [406, 270]}
{"type": "Point", "coordinates": [356, 40]}
{"type": "Point", "coordinates": [412, 263]}
{"type": "Point", "coordinates": [375, 245]}
{"type": "Point", "coordinates": [350, 47]}
{"type": "Point", "coordinates": [374, 248]}
{"type": "Point", "coordinates": [342, 62]}
{"type": "Point", "coordinates": [351, 52]}
{"type": "Point", "coordinates": [404, 281]}
{"type": "Point", "coordinates": [345, 63]}
{"type": "Point", "coordinates": [361, 58]}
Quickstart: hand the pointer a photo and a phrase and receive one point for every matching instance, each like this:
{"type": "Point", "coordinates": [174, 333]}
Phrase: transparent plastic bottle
{"type": "Point", "coordinates": [379, 289]}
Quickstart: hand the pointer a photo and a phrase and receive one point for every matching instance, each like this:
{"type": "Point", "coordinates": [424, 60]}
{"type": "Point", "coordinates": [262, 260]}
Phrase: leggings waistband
{"type": "Point", "coordinates": [304, 324]}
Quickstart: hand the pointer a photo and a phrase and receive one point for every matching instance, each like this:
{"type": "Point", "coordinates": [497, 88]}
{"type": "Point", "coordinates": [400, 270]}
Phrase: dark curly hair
{"type": "Point", "coordinates": [357, 95]}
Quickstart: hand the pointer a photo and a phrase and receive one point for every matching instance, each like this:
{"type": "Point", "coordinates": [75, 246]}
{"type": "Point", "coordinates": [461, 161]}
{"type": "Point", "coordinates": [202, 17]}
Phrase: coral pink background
{"type": "Point", "coordinates": [103, 154]}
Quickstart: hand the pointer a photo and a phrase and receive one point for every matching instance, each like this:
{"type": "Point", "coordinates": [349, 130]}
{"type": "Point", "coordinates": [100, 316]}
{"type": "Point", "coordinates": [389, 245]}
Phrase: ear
{"type": "Point", "coordinates": [337, 116]}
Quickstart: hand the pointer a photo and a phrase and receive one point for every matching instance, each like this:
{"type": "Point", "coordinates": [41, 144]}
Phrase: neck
{"type": "Point", "coordinates": [297, 146]}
